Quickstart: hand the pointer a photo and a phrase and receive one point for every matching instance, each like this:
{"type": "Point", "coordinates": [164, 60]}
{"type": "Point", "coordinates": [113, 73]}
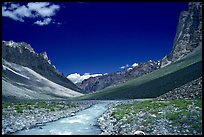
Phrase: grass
{"type": "Point", "coordinates": [7, 104]}
{"type": "Point", "coordinates": [120, 113]}
{"type": "Point", "coordinates": [179, 112]}
{"type": "Point", "coordinates": [51, 106]}
{"type": "Point", "coordinates": [156, 83]}
{"type": "Point", "coordinates": [19, 109]}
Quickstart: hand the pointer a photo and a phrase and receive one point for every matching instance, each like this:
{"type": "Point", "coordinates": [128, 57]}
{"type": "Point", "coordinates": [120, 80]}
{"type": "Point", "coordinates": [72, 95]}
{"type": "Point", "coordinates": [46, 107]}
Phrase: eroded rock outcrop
{"type": "Point", "coordinates": [189, 34]}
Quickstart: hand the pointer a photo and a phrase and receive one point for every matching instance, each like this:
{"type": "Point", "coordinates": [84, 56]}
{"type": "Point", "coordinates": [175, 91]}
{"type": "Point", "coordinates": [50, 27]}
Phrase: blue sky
{"type": "Point", "coordinates": [94, 37]}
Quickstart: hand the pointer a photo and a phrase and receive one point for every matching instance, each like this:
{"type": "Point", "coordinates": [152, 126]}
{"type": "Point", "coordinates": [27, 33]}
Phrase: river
{"type": "Point", "coordinates": [83, 123]}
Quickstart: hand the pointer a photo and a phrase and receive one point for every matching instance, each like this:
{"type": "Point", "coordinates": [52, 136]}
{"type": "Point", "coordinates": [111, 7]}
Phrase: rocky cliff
{"type": "Point", "coordinates": [189, 34]}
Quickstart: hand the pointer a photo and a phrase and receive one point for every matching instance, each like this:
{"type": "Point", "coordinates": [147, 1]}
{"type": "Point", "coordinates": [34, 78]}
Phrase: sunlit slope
{"type": "Point", "coordinates": [19, 82]}
{"type": "Point", "coordinates": [155, 83]}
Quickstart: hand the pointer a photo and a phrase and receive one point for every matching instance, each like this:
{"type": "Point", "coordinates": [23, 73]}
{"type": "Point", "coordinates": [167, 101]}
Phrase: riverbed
{"type": "Point", "coordinates": [83, 123]}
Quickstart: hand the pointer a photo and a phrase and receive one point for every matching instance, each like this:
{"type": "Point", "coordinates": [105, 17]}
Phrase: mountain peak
{"type": "Point", "coordinates": [23, 54]}
{"type": "Point", "coordinates": [44, 55]}
{"type": "Point", "coordinates": [188, 35]}
{"type": "Point", "coordinates": [20, 45]}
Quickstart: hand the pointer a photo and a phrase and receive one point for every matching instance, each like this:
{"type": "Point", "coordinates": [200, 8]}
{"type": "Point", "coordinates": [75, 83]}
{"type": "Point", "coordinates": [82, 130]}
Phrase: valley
{"type": "Point", "coordinates": [104, 117]}
{"type": "Point", "coordinates": [155, 97]}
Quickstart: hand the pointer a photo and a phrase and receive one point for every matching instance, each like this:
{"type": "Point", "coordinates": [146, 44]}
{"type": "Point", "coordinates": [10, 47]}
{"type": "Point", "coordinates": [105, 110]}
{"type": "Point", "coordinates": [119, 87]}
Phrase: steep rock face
{"type": "Point", "coordinates": [23, 54]}
{"type": "Point", "coordinates": [189, 34]}
{"type": "Point", "coordinates": [100, 82]}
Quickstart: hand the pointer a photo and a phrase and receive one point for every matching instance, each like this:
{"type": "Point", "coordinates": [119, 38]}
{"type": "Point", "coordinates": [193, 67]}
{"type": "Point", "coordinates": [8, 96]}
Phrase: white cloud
{"type": "Point", "coordinates": [43, 10]}
{"type": "Point", "coordinates": [77, 78]}
{"type": "Point", "coordinates": [8, 13]}
{"type": "Point", "coordinates": [44, 22]}
{"type": "Point", "coordinates": [22, 12]}
{"type": "Point", "coordinates": [13, 6]}
{"type": "Point", "coordinates": [37, 5]}
{"type": "Point", "coordinates": [74, 77]}
{"type": "Point", "coordinates": [135, 65]}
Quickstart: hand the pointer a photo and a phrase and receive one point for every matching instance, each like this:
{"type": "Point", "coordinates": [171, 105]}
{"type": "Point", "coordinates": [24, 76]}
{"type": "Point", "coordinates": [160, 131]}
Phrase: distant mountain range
{"type": "Point", "coordinates": [188, 40]}
{"type": "Point", "coordinates": [100, 82]}
{"type": "Point", "coordinates": [27, 74]}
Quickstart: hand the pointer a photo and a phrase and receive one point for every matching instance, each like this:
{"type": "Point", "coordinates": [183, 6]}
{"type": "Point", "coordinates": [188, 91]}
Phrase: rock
{"type": "Point", "coordinates": [188, 36]}
{"type": "Point", "coordinates": [40, 124]}
{"type": "Point", "coordinates": [188, 90]}
{"type": "Point", "coordinates": [44, 55]}
{"type": "Point", "coordinates": [138, 132]}
{"type": "Point", "coordinates": [40, 127]}
{"type": "Point", "coordinates": [72, 114]}
{"type": "Point", "coordinates": [153, 115]}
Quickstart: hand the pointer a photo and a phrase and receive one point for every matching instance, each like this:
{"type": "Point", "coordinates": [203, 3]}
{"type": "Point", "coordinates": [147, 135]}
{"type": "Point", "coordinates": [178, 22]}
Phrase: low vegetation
{"type": "Point", "coordinates": [49, 106]}
{"type": "Point", "coordinates": [179, 116]}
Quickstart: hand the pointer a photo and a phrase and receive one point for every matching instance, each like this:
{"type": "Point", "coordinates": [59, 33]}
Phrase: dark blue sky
{"type": "Point", "coordinates": [100, 37]}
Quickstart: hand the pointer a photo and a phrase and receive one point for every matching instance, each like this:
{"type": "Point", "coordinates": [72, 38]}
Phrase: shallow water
{"type": "Point", "coordinates": [83, 123]}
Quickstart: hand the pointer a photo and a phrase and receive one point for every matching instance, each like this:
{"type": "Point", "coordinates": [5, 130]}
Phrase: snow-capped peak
{"type": "Point", "coordinates": [135, 65]}
{"type": "Point", "coordinates": [11, 42]}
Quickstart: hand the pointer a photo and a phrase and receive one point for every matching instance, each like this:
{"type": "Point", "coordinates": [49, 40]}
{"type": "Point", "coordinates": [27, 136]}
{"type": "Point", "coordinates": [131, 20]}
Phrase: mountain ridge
{"type": "Point", "coordinates": [23, 54]}
{"type": "Point", "coordinates": [93, 84]}
{"type": "Point", "coordinates": [29, 75]}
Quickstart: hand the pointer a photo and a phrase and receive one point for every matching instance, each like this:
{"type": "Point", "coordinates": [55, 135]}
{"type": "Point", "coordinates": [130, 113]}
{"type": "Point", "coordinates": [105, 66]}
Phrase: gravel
{"type": "Point", "coordinates": [36, 117]}
{"type": "Point", "coordinates": [191, 89]}
{"type": "Point", "coordinates": [144, 122]}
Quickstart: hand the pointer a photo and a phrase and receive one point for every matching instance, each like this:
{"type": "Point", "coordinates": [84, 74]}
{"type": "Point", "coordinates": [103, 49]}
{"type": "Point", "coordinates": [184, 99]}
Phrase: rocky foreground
{"type": "Point", "coordinates": [153, 117]}
{"type": "Point", "coordinates": [178, 112]}
{"type": "Point", "coordinates": [191, 89]}
{"type": "Point", "coordinates": [20, 116]}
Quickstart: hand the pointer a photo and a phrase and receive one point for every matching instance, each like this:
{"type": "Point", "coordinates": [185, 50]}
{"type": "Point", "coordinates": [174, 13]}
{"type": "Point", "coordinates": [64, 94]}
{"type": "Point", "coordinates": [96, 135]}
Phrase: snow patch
{"type": "Point", "coordinates": [105, 74]}
{"type": "Point", "coordinates": [11, 43]}
{"type": "Point", "coordinates": [179, 35]}
{"type": "Point", "coordinates": [7, 68]}
{"type": "Point", "coordinates": [168, 62]}
{"type": "Point", "coordinates": [135, 65]}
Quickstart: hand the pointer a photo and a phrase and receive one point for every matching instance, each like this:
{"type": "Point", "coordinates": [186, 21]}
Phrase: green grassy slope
{"type": "Point", "coordinates": [155, 83]}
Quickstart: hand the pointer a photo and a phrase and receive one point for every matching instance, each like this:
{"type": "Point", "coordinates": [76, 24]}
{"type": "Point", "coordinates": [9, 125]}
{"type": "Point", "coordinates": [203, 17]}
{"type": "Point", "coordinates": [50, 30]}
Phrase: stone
{"type": "Point", "coordinates": [138, 132]}
{"type": "Point", "coordinates": [153, 115]}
